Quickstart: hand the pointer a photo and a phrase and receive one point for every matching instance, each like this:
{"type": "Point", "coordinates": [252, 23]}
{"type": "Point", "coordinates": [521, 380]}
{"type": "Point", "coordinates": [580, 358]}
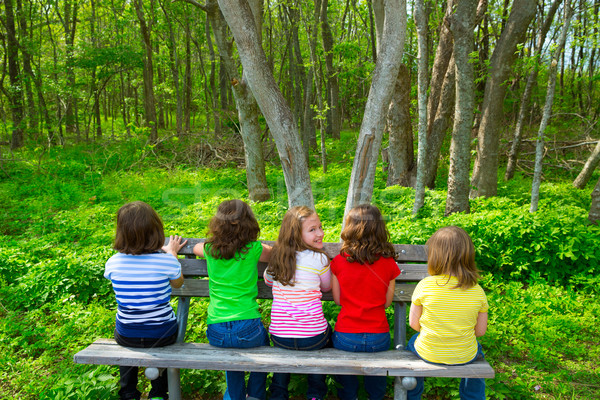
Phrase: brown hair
{"type": "Point", "coordinates": [282, 265]}
{"type": "Point", "coordinates": [231, 230]}
{"type": "Point", "coordinates": [450, 251]}
{"type": "Point", "coordinates": [139, 229]}
{"type": "Point", "coordinates": [365, 237]}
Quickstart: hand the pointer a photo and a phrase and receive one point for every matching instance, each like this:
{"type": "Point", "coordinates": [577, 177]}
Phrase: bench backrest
{"type": "Point", "coordinates": [411, 260]}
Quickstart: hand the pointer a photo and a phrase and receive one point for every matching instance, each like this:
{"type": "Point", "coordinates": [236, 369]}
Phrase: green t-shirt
{"type": "Point", "coordinates": [232, 285]}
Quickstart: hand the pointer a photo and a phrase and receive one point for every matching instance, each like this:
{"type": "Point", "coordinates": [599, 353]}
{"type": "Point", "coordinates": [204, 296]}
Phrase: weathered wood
{"type": "Point", "coordinates": [199, 288]}
{"type": "Point", "coordinates": [406, 253]}
{"type": "Point", "coordinates": [272, 359]}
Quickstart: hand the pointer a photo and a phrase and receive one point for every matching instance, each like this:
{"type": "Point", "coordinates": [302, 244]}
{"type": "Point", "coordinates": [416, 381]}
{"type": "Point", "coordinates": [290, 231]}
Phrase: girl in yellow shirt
{"type": "Point", "coordinates": [449, 309]}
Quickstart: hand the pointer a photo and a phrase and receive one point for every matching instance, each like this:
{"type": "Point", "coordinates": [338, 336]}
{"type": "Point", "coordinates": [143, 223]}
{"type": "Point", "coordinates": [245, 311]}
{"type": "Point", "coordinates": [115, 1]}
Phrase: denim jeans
{"type": "Point", "coordinates": [469, 389]}
{"type": "Point", "coordinates": [375, 386]}
{"type": "Point", "coordinates": [317, 387]}
{"type": "Point", "coordinates": [241, 334]}
{"type": "Point", "coordinates": [129, 375]}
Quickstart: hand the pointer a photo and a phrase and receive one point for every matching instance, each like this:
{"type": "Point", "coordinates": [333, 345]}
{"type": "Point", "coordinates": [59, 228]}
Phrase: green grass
{"type": "Point", "coordinates": [58, 212]}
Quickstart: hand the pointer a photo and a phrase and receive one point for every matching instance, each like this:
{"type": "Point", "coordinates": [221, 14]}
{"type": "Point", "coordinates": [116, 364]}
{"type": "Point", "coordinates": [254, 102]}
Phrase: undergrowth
{"type": "Point", "coordinates": [58, 207]}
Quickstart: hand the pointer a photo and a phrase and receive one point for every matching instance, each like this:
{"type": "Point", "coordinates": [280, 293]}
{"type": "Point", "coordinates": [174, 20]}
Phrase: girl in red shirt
{"type": "Point", "coordinates": [362, 282]}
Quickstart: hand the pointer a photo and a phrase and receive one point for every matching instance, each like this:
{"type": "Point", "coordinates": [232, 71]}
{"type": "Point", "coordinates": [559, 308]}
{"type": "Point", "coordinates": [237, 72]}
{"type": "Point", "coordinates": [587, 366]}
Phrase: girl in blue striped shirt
{"type": "Point", "coordinates": [142, 279]}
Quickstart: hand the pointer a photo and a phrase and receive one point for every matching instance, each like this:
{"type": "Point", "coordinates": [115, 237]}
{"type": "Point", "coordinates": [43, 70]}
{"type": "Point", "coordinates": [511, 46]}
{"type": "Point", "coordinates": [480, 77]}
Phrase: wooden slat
{"type": "Point", "coordinates": [271, 359]}
{"type": "Point", "coordinates": [199, 288]}
{"type": "Point", "coordinates": [196, 267]}
{"type": "Point", "coordinates": [406, 253]}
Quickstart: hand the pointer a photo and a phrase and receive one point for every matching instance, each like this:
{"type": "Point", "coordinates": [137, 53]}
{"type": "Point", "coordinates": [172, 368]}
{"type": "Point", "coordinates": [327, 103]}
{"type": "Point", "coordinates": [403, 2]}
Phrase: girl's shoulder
{"type": "Point", "coordinates": [312, 257]}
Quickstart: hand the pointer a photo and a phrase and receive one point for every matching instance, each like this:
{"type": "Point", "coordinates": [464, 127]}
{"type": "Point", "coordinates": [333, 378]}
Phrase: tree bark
{"type": "Point", "coordinates": [588, 169]}
{"type": "Point", "coordinates": [16, 103]}
{"type": "Point", "coordinates": [485, 171]}
{"type": "Point", "coordinates": [422, 61]}
{"type": "Point", "coordinates": [378, 102]}
{"type": "Point", "coordinates": [32, 117]}
{"type": "Point", "coordinates": [333, 90]}
{"type": "Point", "coordinates": [462, 25]}
{"type": "Point", "coordinates": [401, 170]}
{"type": "Point", "coordinates": [594, 215]}
{"type": "Point", "coordinates": [531, 81]}
{"type": "Point", "coordinates": [69, 25]}
{"type": "Point", "coordinates": [276, 111]}
{"type": "Point", "coordinates": [552, 72]}
{"type": "Point", "coordinates": [149, 101]}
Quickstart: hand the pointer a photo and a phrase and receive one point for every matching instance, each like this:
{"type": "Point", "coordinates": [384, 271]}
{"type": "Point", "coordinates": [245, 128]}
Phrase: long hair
{"type": "Point", "coordinates": [231, 230]}
{"type": "Point", "coordinates": [139, 229]}
{"type": "Point", "coordinates": [365, 237]}
{"type": "Point", "coordinates": [450, 251]}
{"type": "Point", "coordinates": [282, 264]}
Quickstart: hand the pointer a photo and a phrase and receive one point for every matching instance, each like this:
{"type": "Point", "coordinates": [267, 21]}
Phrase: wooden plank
{"type": "Point", "coordinates": [406, 253]}
{"type": "Point", "coordinates": [199, 288]}
{"type": "Point", "coordinates": [271, 359]}
{"type": "Point", "coordinates": [196, 267]}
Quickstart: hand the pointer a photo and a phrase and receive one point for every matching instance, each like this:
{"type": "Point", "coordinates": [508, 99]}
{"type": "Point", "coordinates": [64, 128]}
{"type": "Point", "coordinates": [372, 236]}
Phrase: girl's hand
{"type": "Point", "coordinates": [175, 244]}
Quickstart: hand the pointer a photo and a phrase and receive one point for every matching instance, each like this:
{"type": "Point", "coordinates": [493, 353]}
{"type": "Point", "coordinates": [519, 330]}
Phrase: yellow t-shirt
{"type": "Point", "coordinates": [448, 319]}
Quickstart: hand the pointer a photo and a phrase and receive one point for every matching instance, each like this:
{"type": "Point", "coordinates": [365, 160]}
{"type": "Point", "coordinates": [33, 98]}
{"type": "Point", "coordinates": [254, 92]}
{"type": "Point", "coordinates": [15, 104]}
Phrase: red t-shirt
{"type": "Point", "coordinates": [363, 288]}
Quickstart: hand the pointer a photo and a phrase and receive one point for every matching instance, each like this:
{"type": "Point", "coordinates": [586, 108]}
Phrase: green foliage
{"type": "Point", "coordinates": [540, 270]}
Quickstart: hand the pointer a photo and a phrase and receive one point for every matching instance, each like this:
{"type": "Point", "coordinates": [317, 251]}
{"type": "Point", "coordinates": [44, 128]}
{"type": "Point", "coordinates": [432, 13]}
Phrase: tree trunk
{"type": "Point", "coordinates": [401, 170]}
{"type": "Point", "coordinates": [15, 96]}
{"type": "Point", "coordinates": [588, 169]}
{"type": "Point", "coordinates": [594, 215]}
{"type": "Point", "coordinates": [422, 61]}
{"type": "Point", "coordinates": [70, 24]}
{"type": "Point", "coordinates": [149, 102]}
{"type": "Point", "coordinates": [333, 90]}
{"type": "Point", "coordinates": [531, 81]}
{"type": "Point", "coordinates": [378, 102]}
{"type": "Point", "coordinates": [485, 171]}
{"type": "Point", "coordinates": [276, 111]}
{"type": "Point", "coordinates": [552, 72]}
{"type": "Point", "coordinates": [462, 25]}
{"type": "Point", "coordinates": [187, 88]}
{"type": "Point", "coordinates": [32, 117]}
{"type": "Point", "coordinates": [174, 66]}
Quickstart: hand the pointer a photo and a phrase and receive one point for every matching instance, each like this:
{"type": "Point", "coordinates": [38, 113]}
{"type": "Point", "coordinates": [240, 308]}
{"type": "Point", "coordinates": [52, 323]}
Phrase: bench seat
{"type": "Point", "coordinates": [272, 359]}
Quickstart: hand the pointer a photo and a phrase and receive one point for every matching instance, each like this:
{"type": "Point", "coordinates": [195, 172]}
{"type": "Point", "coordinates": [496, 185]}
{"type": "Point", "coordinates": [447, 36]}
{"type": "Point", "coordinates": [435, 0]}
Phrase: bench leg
{"type": "Point", "coordinates": [174, 384]}
{"type": "Point", "coordinates": [399, 389]}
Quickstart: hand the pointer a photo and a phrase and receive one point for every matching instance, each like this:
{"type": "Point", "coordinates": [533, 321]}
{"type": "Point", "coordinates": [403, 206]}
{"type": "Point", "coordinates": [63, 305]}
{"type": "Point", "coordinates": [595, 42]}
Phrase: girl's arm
{"type": "Point", "coordinates": [481, 325]}
{"type": "Point", "coordinates": [335, 289]}
{"type": "Point", "coordinates": [177, 283]}
{"type": "Point", "coordinates": [266, 253]}
{"type": "Point", "coordinates": [199, 250]}
{"type": "Point", "coordinates": [415, 316]}
{"type": "Point", "coordinates": [389, 296]}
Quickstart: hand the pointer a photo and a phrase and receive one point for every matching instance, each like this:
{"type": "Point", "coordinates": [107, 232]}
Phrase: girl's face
{"type": "Point", "coordinates": [312, 231]}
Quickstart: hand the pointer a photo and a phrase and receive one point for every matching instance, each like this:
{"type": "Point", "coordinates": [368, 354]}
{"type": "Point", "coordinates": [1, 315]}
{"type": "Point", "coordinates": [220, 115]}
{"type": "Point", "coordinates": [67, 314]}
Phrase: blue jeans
{"type": "Point", "coordinates": [469, 389]}
{"type": "Point", "coordinates": [375, 386]}
{"type": "Point", "coordinates": [317, 387]}
{"type": "Point", "coordinates": [241, 334]}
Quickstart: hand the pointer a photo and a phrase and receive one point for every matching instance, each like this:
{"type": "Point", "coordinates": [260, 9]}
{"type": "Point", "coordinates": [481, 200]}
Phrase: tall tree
{"type": "Point", "coordinates": [462, 25]}
{"type": "Point", "coordinates": [149, 100]}
{"type": "Point", "coordinates": [552, 72]}
{"type": "Point", "coordinates": [422, 83]}
{"type": "Point", "coordinates": [380, 95]}
{"type": "Point", "coordinates": [485, 171]}
{"type": "Point", "coordinates": [333, 90]}
{"type": "Point", "coordinates": [14, 95]}
{"type": "Point", "coordinates": [526, 97]}
{"type": "Point", "coordinates": [276, 111]}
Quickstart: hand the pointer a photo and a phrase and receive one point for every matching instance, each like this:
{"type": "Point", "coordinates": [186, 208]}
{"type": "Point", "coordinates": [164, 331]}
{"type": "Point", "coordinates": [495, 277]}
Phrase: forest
{"type": "Point", "coordinates": [481, 114]}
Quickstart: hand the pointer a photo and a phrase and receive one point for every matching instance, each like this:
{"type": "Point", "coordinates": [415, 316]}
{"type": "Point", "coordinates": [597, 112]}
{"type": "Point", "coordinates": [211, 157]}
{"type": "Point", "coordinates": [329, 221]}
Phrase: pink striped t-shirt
{"type": "Point", "coordinates": [297, 310]}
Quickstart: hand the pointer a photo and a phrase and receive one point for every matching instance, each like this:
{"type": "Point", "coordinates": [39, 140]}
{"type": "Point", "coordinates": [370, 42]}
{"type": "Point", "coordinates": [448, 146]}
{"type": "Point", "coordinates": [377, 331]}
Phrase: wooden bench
{"type": "Point", "coordinates": [401, 364]}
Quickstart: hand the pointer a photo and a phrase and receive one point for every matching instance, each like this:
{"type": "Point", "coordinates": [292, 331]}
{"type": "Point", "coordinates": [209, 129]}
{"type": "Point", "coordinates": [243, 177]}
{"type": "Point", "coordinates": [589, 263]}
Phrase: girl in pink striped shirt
{"type": "Point", "coordinates": [299, 272]}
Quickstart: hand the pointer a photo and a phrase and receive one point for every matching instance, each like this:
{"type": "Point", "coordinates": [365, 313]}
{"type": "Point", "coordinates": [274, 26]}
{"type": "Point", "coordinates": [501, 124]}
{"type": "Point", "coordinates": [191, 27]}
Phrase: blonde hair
{"type": "Point", "coordinates": [450, 251]}
{"type": "Point", "coordinates": [282, 264]}
{"type": "Point", "coordinates": [365, 236]}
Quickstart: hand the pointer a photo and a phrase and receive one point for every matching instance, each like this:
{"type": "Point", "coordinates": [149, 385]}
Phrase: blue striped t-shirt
{"type": "Point", "coordinates": [142, 289]}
